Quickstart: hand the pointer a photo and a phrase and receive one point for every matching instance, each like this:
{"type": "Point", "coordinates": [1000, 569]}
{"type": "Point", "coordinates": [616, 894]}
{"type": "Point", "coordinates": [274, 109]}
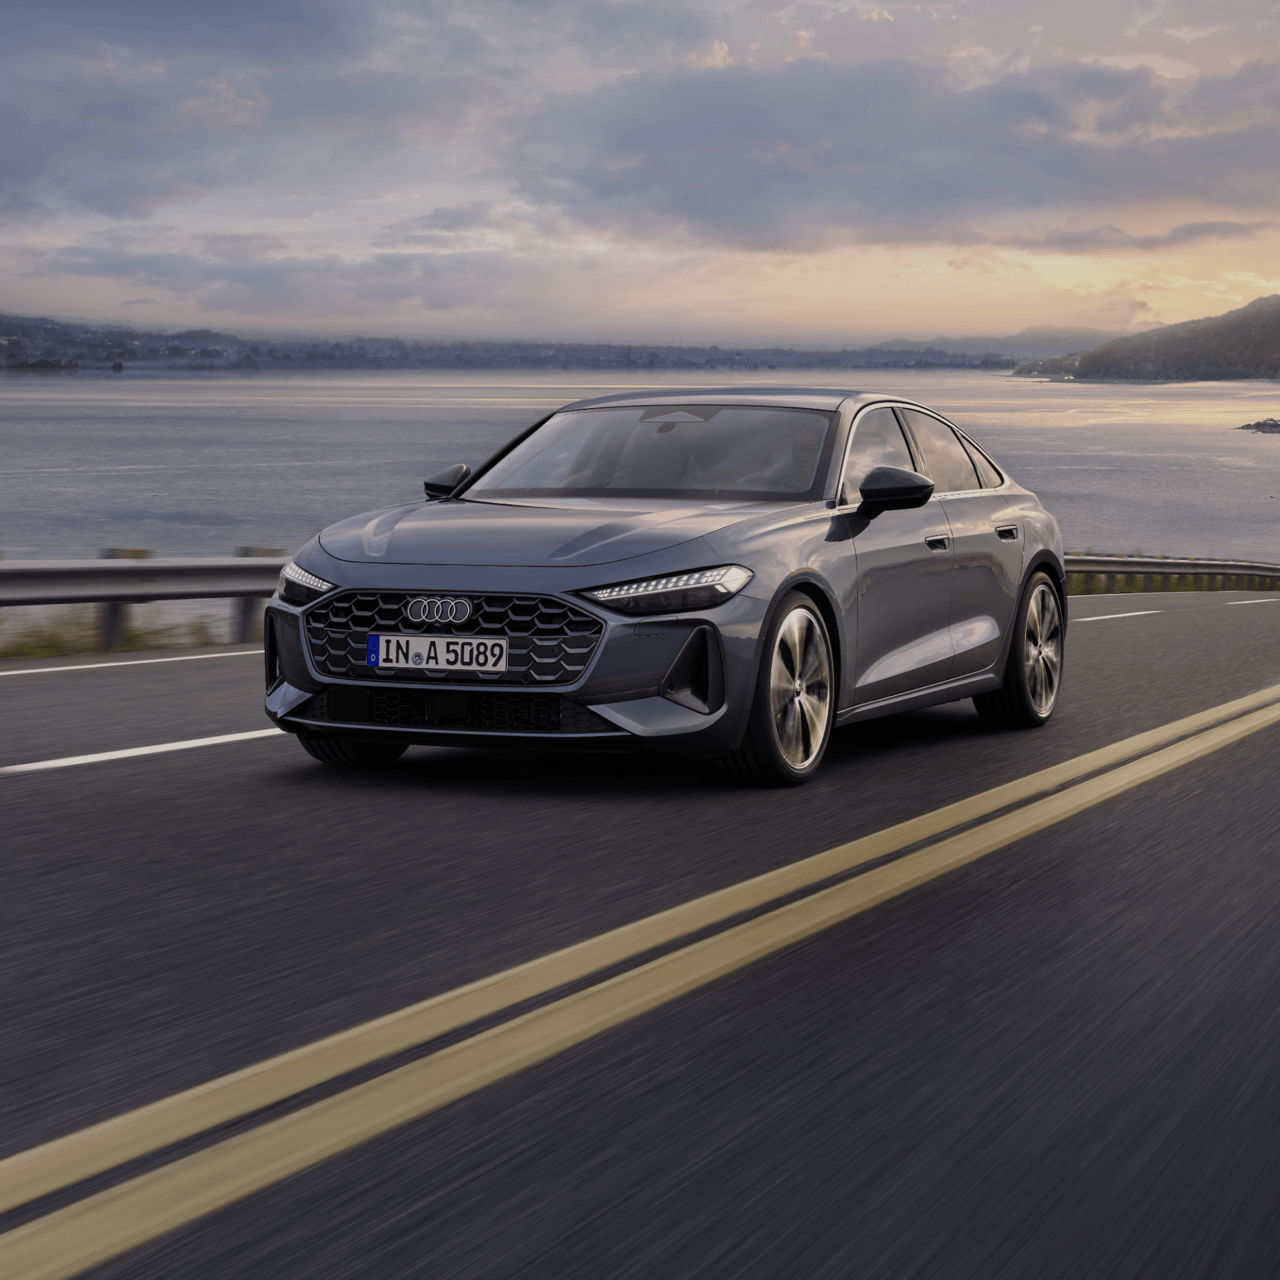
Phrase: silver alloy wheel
{"type": "Point", "coordinates": [800, 688]}
{"type": "Point", "coordinates": [1042, 651]}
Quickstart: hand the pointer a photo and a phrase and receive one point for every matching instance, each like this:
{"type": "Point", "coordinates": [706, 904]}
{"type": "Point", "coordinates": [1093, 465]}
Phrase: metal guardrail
{"type": "Point", "coordinates": [25, 582]}
{"type": "Point", "coordinates": [116, 583]}
{"type": "Point", "coordinates": [95, 581]}
{"type": "Point", "coordinates": [245, 578]}
{"type": "Point", "coordinates": [1087, 574]}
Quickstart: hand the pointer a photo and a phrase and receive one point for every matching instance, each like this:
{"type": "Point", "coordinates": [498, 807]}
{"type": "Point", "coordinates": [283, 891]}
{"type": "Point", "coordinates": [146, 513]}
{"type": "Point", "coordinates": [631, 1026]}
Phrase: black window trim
{"type": "Point", "coordinates": [973, 447]}
{"type": "Point", "coordinates": [918, 452]}
{"type": "Point", "coordinates": [912, 448]}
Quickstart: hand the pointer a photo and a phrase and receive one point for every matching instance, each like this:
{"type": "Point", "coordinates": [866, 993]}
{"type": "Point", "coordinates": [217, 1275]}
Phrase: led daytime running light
{"type": "Point", "coordinates": [293, 573]}
{"type": "Point", "coordinates": [725, 581]}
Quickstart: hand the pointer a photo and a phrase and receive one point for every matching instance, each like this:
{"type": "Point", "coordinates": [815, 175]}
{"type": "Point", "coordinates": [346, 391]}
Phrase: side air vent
{"type": "Point", "coordinates": [270, 653]}
{"type": "Point", "coordinates": [696, 677]}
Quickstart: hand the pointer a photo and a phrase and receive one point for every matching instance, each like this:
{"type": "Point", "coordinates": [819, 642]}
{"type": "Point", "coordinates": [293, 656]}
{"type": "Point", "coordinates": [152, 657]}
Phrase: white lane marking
{"type": "Point", "coordinates": [66, 762]}
{"type": "Point", "coordinates": [131, 662]}
{"type": "Point", "coordinates": [1106, 617]}
{"type": "Point", "coordinates": [1268, 600]}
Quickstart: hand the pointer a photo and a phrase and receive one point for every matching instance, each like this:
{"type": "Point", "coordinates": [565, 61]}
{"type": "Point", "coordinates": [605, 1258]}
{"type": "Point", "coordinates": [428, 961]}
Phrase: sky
{"type": "Point", "coordinates": [648, 171]}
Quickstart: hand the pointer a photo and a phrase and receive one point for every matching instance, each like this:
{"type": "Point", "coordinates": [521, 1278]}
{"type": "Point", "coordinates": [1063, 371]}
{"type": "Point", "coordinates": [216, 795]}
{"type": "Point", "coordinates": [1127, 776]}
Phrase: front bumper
{"type": "Point", "coordinates": [679, 682]}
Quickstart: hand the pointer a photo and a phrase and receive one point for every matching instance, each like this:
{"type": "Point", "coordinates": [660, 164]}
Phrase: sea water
{"type": "Point", "coordinates": [202, 464]}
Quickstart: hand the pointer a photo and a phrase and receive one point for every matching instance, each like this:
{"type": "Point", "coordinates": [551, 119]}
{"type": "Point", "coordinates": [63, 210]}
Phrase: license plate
{"type": "Point", "coordinates": [438, 653]}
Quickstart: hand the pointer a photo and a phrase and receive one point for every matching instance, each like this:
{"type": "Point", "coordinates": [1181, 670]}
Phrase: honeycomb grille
{"type": "Point", "coordinates": [549, 641]}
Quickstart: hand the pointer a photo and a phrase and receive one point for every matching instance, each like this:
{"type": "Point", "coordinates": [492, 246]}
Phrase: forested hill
{"type": "Point", "coordinates": [1240, 344]}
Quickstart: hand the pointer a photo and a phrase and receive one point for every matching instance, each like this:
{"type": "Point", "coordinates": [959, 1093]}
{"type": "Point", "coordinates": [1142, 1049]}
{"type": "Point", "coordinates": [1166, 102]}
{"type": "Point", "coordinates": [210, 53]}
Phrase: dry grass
{"type": "Point", "coordinates": [76, 631]}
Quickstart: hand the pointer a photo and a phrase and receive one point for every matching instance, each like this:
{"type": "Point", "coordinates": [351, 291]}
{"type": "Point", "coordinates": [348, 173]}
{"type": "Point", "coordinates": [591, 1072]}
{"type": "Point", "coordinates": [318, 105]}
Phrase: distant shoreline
{"type": "Point", "coordinates": [790, 373]}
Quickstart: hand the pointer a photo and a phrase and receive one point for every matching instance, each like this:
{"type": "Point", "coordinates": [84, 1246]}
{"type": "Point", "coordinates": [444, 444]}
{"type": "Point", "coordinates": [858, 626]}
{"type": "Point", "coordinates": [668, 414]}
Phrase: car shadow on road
{"type": "Point", "coordinates": [628, 772]}
{"type": "Point", "coordinates": [908, 731]}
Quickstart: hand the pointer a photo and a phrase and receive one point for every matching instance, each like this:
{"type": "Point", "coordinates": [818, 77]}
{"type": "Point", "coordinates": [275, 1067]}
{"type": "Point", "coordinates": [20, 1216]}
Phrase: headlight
{"type": "Point", "coordinates": [297, 586]}
{"type": "Point", "coordinates": [700, 589]}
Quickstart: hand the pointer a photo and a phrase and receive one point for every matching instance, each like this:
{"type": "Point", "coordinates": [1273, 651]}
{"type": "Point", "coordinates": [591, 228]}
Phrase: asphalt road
{"type": "Point", "coordinates": [1058, 1060]}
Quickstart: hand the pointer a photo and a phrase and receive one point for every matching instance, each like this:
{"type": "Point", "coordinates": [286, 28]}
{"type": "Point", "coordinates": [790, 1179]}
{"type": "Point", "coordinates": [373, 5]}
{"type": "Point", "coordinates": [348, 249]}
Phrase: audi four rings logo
{"type": "Point", "coordinates": [437, 609]}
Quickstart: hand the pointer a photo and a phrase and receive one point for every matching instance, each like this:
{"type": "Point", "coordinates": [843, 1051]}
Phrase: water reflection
{"type": "Point", "coordinates": [190, 466]}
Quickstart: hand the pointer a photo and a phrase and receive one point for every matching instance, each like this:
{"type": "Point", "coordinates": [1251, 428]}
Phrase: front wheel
{"type": "Point", "coordinates": [351, 753]}
{"type": "Point", "coordinates": [794, 705]}
{"type": "Point", "coordinates": [1033, 673]}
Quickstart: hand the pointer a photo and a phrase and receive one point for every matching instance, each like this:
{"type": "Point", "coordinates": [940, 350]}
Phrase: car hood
{"type": "Point", "coordinates": [528, 534]}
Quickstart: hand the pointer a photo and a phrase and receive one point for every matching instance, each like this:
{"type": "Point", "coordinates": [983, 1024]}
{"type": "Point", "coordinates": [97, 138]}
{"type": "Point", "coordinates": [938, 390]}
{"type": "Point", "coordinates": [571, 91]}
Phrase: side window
{"type": "Point", "coordinates": [988, 472]}
{"type": "Point", "coordinates": [945, 461]}
{"type": "Point", "coordinates": [877, 442]}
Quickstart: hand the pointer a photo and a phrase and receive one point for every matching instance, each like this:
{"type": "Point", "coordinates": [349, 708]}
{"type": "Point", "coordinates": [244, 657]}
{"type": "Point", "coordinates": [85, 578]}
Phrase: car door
{"type": "Point", "coordinates": [986, 539]}
{"type": "Point", "coordinates": [903, 593]}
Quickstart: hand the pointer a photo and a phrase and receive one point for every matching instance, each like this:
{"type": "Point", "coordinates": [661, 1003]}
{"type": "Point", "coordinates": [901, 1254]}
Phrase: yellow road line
{"type": "Point", "coordinates": [67, 1160]}
{"type": "Point", "coordinates": [111, 1222]}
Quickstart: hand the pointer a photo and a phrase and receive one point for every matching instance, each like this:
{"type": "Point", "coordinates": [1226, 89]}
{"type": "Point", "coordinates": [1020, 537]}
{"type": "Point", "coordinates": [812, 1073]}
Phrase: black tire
{"type": "Point", "coordinates": [1033, 670]}
{"type": "Point", "coordinates": [764, 758]}
{"type": "Point", "coordinates": [351, 753]}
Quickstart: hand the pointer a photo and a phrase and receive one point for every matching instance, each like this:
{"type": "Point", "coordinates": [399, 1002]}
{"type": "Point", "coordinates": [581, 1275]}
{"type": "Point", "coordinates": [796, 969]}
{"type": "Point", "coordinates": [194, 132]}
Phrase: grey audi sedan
{"type": "Point", "coordinates": [731, 571]}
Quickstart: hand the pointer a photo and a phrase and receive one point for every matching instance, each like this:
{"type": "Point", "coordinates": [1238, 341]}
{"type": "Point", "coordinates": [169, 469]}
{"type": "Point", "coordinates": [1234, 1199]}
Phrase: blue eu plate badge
{"type": "Point", "coordinates": [372, 658]}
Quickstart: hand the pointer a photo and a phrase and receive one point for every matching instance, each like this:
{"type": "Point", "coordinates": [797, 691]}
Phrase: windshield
{"type": "Point", "coordinates": [667, 451]}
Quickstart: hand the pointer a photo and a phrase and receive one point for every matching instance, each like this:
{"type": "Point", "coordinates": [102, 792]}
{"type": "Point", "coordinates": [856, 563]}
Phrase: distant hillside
{"type": "Point", "coordinates": [1038, 342]}
{"type": "Point", "coordinates": [1240, 344]}
{"type": "Point", "coordinates": [37, 344]}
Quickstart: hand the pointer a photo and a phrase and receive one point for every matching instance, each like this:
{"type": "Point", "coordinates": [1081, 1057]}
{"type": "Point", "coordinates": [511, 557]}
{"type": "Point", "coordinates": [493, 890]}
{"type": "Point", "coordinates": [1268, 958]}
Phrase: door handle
{"type": "Point", "coordinates": [937, 542]}
{"type": "Point", "coordinates": [1009, 532]}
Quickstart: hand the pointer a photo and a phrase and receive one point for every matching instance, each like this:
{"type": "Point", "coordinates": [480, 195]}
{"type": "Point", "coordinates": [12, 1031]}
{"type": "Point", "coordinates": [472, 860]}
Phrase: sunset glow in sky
{"type": "Point", "coordinates": [652, 171]}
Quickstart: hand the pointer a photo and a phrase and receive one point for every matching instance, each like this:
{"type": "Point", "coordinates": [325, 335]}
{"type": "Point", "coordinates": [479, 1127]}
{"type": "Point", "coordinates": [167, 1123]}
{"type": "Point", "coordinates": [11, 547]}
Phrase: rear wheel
{"type": "Point", "coordinates": [1033, 673]}
{"type": "Point", "coordinates": [794, 706]}
{"type": "Point", "coordinates": [351, 753]}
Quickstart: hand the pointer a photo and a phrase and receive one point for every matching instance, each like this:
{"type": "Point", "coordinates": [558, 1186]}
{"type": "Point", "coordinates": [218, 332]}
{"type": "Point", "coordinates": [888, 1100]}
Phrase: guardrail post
{"type": "Point", "coordinates": [248, 609]}
{"type": "Point", "coordinates": [113, 615]}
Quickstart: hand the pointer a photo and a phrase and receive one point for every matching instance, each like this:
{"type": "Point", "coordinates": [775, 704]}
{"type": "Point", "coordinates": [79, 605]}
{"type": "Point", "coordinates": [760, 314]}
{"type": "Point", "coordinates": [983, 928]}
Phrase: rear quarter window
{"type": "Point", "coordinates": [990, 475]}
{"type": "Point", "coordinates": [946, 461]}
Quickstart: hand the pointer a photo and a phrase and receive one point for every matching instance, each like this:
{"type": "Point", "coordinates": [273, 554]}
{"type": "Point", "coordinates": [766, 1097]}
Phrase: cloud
{"type": "Point", "coordinates": [253, 285]}
{"type": "Point", "coordinates": [581, 157]}
{"type": "Point", "coordinates": [476, 224]}
{"type": "Point", "coordinates": [275, 33]}
{"type": "Point", "coordinates": [458, 217]}
{"type": "Point", "coordinates": [715, 55]}
{"type": "Point", "coordinates": [447, 226]}
{"type": "Point", "coordinates": [804, 156]}
{"type": "Point", "coordinates": [124, 109]}
{"type": "Point", "coordinates": [240, 247]}
{"type": "Point", "coordinates": [1113, 240]}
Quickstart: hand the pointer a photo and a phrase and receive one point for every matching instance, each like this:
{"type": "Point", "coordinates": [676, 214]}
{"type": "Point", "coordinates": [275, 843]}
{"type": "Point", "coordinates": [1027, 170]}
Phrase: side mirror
{"type": "Point", "coordinates": [893, 488]}
{"type": "Point", "coordinates": [444, 483]}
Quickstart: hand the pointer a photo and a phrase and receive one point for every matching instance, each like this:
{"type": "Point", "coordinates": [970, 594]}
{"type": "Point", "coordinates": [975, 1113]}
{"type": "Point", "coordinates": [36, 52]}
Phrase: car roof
{"type": "Point", "coordinates": [828, 398]}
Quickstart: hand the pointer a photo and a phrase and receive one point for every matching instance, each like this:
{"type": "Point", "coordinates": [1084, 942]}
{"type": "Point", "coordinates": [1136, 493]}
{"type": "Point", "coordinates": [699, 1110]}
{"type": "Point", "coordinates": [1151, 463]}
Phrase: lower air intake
{"type": "Point", "coordinates": [466, 712]}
